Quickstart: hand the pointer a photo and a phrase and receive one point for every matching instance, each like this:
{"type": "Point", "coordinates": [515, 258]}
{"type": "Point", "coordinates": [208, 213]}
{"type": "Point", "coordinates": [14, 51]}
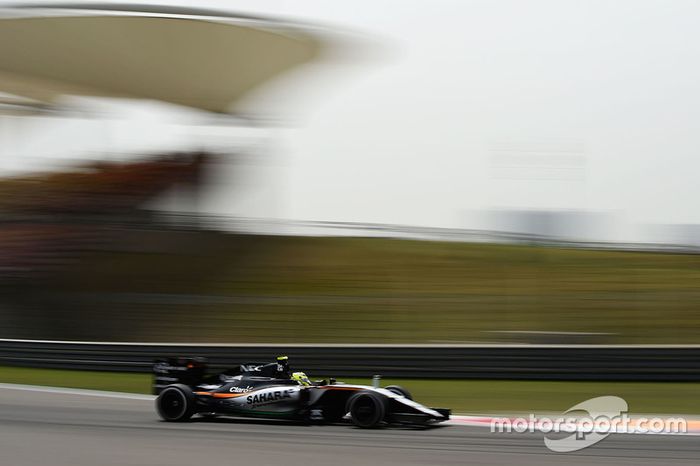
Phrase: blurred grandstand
{"type": "Point", "coordinates": [49, 220]}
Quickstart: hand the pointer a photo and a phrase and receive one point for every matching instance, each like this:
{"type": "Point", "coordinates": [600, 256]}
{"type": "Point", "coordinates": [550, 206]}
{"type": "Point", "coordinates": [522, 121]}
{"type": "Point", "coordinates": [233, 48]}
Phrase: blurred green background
{"type": "Point", "coordinates": [167, 285]}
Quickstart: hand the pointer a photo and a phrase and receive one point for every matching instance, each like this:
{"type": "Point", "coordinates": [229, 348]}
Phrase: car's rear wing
{"type": "Point", "coordinates": [188, 371]}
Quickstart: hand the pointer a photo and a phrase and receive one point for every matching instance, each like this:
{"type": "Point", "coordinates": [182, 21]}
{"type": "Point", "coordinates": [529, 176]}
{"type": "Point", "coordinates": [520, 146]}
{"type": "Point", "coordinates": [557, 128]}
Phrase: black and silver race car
{"type": "Point", "coordinates": [273, 391]}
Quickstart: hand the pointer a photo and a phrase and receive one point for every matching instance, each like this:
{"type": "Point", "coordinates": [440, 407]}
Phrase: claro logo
{"type": "Point", "coordinates": [268, 397]}
{"type": "Point", "coordinates": [240, 389]}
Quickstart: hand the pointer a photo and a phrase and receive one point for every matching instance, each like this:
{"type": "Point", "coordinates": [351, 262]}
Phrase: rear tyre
{"type": "Point", "coordinates": [175, 403]}
{"type": "Point", "coordinates": [367, 409]}
{"type": "Point", "coordinates": [399, 390]}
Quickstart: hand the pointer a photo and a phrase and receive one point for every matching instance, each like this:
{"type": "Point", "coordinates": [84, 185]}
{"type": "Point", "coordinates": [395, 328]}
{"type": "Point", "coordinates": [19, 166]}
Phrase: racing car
{"type": "Point", "coordinates": [272, 390]}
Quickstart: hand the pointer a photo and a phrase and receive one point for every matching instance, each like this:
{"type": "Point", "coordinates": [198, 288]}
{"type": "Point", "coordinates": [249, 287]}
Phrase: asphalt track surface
{"type": "Point", "coordinates": [38, 428]}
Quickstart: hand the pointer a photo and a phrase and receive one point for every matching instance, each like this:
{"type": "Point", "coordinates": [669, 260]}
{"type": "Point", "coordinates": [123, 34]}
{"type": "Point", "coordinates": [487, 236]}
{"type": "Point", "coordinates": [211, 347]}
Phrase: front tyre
{"type": "Point", "coordinates": [367, 409]}
{"type": "Point", "coordinates": [175, 403]}
{"type": "Point", "coordinates": [399, 390]}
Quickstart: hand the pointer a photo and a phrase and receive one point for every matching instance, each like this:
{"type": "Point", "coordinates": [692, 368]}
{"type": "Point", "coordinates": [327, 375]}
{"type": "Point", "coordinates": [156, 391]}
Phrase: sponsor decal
{"type": "Point", "coordinates": [267, 397]}
{"type": "Point", "coordinates": [240, 389]}
{"type": "Point", "coordinates": [164, 368]}
{"type": "Point", "coordinates": [251, 367]}
{"type": "Point", "coordinates": [164, 378]}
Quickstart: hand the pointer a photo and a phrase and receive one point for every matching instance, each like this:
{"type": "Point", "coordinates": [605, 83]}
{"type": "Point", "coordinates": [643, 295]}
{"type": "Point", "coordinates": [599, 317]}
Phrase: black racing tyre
{"type": "Point", "coordinates": [175, 403]}
{"type": "Point", "coordinates": [367, 409]}
{"type": "Point", "coordinates": [399, 390]}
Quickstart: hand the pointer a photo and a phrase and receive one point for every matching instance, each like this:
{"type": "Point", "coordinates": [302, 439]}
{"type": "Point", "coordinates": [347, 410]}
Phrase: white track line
{"type": "Point", "coordinates": [77, 391]}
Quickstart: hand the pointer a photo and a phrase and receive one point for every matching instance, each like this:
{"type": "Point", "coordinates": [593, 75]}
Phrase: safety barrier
{"type": "Point", "coordinates": [553, 362]}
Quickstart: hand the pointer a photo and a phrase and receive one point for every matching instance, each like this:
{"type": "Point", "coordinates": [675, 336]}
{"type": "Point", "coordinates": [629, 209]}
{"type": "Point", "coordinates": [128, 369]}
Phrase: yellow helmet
{"type": "Point", "coordinates": [301, 378]}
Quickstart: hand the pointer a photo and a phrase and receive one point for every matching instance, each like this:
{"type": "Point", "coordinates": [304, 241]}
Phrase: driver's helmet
{"type": "Point", "coordinates": [301, 378]}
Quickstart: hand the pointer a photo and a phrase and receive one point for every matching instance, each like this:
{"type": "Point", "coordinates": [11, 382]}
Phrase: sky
{"type": "Point", "coordinates": [445, 109]}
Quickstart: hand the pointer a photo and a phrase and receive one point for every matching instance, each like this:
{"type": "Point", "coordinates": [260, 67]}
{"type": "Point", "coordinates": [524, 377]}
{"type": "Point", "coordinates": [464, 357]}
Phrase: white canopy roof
{"type": "Point", "coordinates": [197, 58]}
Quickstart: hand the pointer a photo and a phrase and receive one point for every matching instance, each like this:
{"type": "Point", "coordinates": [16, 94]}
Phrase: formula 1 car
{"type": "Point", "coordinates": [273, 391]}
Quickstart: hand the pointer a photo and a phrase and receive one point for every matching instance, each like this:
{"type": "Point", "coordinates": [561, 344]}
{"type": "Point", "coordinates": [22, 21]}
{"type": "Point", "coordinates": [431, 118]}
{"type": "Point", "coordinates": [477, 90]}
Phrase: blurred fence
{"type": "Point", "coordinates": [554, 362]}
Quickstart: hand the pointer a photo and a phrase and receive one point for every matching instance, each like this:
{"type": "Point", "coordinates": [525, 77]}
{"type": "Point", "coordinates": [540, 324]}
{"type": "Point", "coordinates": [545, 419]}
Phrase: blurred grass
{"type": "Point", "coordinates": [110, 381]}
{"type": "Point", "coordinates": [238, 288]}
{"type": "Point", "coordinates": [462, 396]}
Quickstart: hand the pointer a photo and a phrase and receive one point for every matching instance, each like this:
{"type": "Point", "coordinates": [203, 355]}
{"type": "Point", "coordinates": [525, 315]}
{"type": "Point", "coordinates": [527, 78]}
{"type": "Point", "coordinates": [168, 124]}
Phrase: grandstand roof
{"type": "Point", "coordinates": [197, 58]}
